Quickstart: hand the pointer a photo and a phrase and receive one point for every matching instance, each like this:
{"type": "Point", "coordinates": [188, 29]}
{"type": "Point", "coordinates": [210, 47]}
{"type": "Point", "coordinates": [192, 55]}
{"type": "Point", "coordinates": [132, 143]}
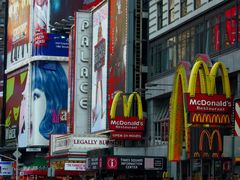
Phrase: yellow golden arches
{"type": "Point", "coordinates": [199, 68]}
{"type": "Point", "coordinates": [225, 79]}
{"type": "Point", "coordinates": [219, 138]}
{"type": "Point", "coordinates": [207, 80]}
{"type": "Point", "coordinates": [178, 115]}
{"type": "Point", "coordinates": [210, 138]}
{"type": "Point", "coordinates": [203, 133]}
{"type": "Point", "coordinates": [165, 174]}
{"type": "Point", "coordinates": [127, 104]}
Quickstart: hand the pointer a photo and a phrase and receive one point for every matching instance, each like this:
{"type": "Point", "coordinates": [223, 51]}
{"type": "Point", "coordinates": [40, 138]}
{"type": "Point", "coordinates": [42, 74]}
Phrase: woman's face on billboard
{"type": "Point", "coordinates": [40, 2]}
{"type": "Point", "coordinates": [39, 104]}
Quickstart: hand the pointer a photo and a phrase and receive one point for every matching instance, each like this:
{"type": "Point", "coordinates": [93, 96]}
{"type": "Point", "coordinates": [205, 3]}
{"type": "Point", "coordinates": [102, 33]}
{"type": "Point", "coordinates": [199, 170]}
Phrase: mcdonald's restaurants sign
{"type": "Point", "coordinates": [126, 126]}
{"type": "Point", "coordinates": [207, 142]}
{"type": "Point", "coordinates": [205, 103]}
{"type": "Point", "coordinates": [193, 99]}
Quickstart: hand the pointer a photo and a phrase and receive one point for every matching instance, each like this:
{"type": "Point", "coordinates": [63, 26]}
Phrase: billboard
{"type": "Point", "coordinates": [48, 101]}
{"type": "Point", "coordinates": [40, 16]}
{"type": "Point", "coordinates": [99, 68]}
{"type": "Point", "coordinates": [15, 93]}
{"type": "Point", "coordinates": [18, 35]}
{"type": "Point", "coordinates": [69, 142]}
{"type": "Point", "coordinates": [79, 67]}
{"type": "Point", "coordinates": [51, 45]}
{"type": "Point", "coordinates": [128, 163]}
{"type": "Point", "coordinates": [59, 14]}
{"type": "Point", "coordinates": [118, 29]}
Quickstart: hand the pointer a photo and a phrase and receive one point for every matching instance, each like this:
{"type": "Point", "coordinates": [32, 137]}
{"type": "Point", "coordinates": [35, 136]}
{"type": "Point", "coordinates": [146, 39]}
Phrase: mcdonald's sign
{"type": "Point", "coordinates": [200, 88]}
{"type": "Point", "coordinates": [210, 118]}
{"type": "Point", "coordinates": [126, 122]}
{"type": "Point", "coordinates": [208, 142]}
{"type": "Point", "coordinates": [205, 103]}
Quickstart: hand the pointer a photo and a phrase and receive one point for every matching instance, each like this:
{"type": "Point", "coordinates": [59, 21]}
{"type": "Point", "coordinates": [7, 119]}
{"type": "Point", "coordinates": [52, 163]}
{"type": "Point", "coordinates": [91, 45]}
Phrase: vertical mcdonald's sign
{"type": "Point", "coordinates": [201, 81]}
{"type": "Point", "coordinates": [126, 122]}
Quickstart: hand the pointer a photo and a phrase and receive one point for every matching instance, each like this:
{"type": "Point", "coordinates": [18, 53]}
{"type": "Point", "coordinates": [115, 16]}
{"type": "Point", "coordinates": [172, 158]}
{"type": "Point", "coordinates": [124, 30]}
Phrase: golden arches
{"type": "Point", "coordinates": [127, 104]}
{"type": "Point", "coordinates": [207, 80]}
{"type": "Point", "coordinates": [210, 138]}
{"type": "Point", "coordinates": [178, 113]}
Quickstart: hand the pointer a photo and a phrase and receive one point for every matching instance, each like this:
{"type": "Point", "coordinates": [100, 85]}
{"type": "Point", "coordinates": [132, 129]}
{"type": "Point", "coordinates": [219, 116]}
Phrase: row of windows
{"type": "Point", "coordinates": [211, 35]}
{"type": "Point", "coordinates": [171, 12]}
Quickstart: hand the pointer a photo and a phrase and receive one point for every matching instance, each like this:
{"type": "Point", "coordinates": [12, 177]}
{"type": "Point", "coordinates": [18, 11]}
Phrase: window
{"type": "Point", "coordinates": [163, 56]}
{"type": "Point", "coordinates": [160, 14]}
{"type": "Point", "coordinates": [199, 38]}
{"type": "Point", "coordinates": [172, 58]}
{"type": "Point", "coordinates": [183, 8]}
{"type": "Point", "coordinates": [197, 4]}
{"type": "Point", "coordinates": [161, 123]}
{"type": "Point", "coordinates": [210, 34]}
{"type": "Point", "coordinates": [171, 11]}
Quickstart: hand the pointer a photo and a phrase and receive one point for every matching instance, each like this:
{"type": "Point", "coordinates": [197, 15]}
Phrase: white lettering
{"type": "Point", "coordinates": [85, 25]}
{"type": "Point", "coordinates": [85, 41]}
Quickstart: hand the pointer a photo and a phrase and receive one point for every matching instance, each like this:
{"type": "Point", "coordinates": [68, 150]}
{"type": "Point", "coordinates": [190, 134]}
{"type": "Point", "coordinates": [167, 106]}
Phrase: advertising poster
{"type": "Point", "coordinates": [117, 49]}
{"type": "Point", "coordinates": [52, 45]}
{"type": "Point", "coordinates": [60, 15]}
{"type": "Point", "coordinates": [16, 83]}
{"type": "Point", "coordinates": [48, 101]}
{"type": "Point", "coordinates": [18, 46]}
{"type": "Point", "coordinates": [99, 68]}
{"type": "Point", "coordinates": [40, 14]}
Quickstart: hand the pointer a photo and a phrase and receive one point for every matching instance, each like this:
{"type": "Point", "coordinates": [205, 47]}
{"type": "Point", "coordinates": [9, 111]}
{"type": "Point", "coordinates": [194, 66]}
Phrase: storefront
{"type": "Point", "coordinates": [106, 165]}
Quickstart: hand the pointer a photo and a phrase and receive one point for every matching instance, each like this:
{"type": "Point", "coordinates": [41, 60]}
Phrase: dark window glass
{"type": "Point", "coordinates": [160, 14]}
{"type": "Point", "coordinates": [171, 11]}
{"type": "Point", "coordinates": [183, 8]}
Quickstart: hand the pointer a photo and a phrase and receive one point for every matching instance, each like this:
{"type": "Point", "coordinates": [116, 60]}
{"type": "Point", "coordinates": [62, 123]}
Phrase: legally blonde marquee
{"type": "Point", "coordinates": [194, 105]}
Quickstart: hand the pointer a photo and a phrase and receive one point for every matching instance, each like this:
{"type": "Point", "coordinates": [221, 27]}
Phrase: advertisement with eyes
{"type": "Point", "coordinates": [48, 101]}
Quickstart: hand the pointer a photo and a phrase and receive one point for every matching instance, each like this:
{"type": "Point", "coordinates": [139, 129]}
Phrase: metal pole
{"type": "Point", "coordinates": [17, 162]}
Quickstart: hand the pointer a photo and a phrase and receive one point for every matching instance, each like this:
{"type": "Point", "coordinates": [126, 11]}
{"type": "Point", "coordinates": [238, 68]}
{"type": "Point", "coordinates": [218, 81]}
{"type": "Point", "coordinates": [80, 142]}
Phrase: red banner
{"type": "Point", "coordinates": [119, 135]}
{"type": "Point", "coordinates": [206, 103]}
{"type": "Point", "coordinates": [128, 124]}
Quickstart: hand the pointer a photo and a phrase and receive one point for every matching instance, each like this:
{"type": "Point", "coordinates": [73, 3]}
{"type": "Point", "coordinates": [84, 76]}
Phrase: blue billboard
{"type": "Point", "coordinates": [50, 45]}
